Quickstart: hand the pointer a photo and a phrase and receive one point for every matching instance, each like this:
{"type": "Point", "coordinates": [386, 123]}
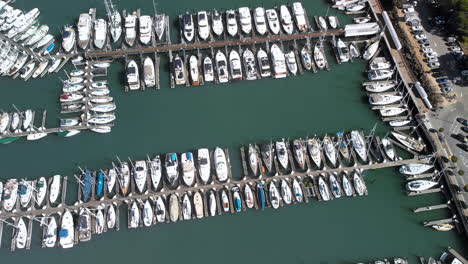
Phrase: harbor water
{"type": "Point", "coordinates": [381, 224]}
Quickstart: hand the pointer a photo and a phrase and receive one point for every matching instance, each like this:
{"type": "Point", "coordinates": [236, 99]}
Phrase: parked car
{"type": "Point", "coordinates": [442, 80]}
{"type": "Point", "coordinates": [427, 50]}
{"type": "Point", "coordinates": [431, 54]}
{"type": "Point", "coordinates": [417, 28]}
{"type": "Point", "coordinates": [445, 85]}
{"type": "Point", "coordinates": [458, 53]}
{"type": "Point", "coordinates": [460, 137]}
{"type": "Point", "coordinates": [451, 39]}
{"type": "Point", "coordinates": [421, 36]}
{"type": "Point", "coordinates": [464, 129]}
{"type": "Point", "coordinates": [462, 121]}
{"type": "Point", "coordinates": [418, 32]}
{"type": "Point", "coordinates": [463, 147]}
{"type": "Point", "coordinates": [426, 45]}
{"type": "Point", "coordinates": [433, 59]}
{"type": "Point", "coordinates": [424, 41]}
{"type": "Point", "coordinates": [409, 9]}
{"type": "Point", "coordinates": [454, 48]}
{"type": "Point", "coordinates": [440, 20]}
{"type": "Point", "coordinates": [434, 65]}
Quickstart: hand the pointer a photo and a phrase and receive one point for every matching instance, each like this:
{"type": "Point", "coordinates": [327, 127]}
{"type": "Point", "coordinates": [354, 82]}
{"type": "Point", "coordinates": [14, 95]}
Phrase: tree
{"type": "Point", "coordinates": [461, 173]}
{"type": "Point", "coordinates": [454, 158]}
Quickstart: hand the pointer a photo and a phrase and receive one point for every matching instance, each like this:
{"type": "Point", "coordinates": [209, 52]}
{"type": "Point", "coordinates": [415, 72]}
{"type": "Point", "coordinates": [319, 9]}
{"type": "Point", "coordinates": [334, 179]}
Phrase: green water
{"type": "Point", "coordinates": [176, 120]}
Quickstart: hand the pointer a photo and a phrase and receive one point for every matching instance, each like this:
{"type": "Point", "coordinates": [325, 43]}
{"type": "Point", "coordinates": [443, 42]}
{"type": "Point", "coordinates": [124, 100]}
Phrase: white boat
{"type": "Point", "coordinates": [355, 7]}
{"type": "Point", "coordinates": [101, 119]}
{"type": "Point", "coordinates": [245, 20]}
{"type": "Point", "coordinates": [225, 200]}
{"type": "Point", "coordinates": [385, 99]}
{"type": "Point", "coordinates": [379, 63]}
{"type": "Point", "coordinates": [263, 63]}
{"type": "Point", "coordinates": [18, 65]}
{"type": "Point", "coordinates": [231, 22]}
{"type": "Point", "coordinates": [322, 23]}
{"type": "Point", "coordinates": [84, 30]}
{"type": "Point", "coordinates": [306, 59]}
{"type": "Point", "coordinates": [194, 73]}
{"type": "Point", "coordinates": [160, 25]}
{"type": "Point", "coordinates": [4, 121]}
{"type": "Point", "coordinates": [130, 29]}
{"type": "Point", "coordinates": [25, 193]}
{"type": "Point", "coordinates": [235, 65]}
{"type": "Point", "coordinates": [198, 205]}
{"type": "Point", "coordinates": [278, 61]}
{"type": "Point", "coordinates": [179, 71]}
{"type": "Point", "coordinates": [100, 33]}
{"type": "Point", "coordinates": [354, 50]}
{"type": "Point", "coordinates": [186, 207]}
{"type": "Point", "coordinates": [359, 145]}
{"type": "Point", "coordinates": [100, 99]}
{"type": "Point", "coordinates": [36, 134]}
{"type": "Point", "coordinates": [41, 191]}
{"type": "Point", "coordinates": [103, 108]}
{"type": "Point", "coordinates": [26, 35]}
{"type": "Point", "coordinates": [140, 173]}
{"type": "Point", "coordinates": [111, 216]}
{"type": "Point", "coordinates": [259, 20]}
{"type": "Point", "coordinates": [102, 129]}
{"type": "Point", "coordinates": [319, 57]}
{"type": "Point", "coordinates": [146, 27]}
{"type": "Point", "coordinates": [388, 148]}
{"type": "Point", "coordinates": [203, 25]}
{"type": "Point", "coordinates": [188, 28]}
{"type": "Point", "coordinates": [99, 222]}
{"type": "Point", "coordinates": [50, 234]}
{"type": "Point", "coordinates": [10, 195]}
{"type": "Point", "coordinates": [174, 208]}
{"type": "Point", "coordinates": [54, 189]}
{"type": "Point", "coordinates": [204, 166]}
{"type": "Point", "coordinates": [160, 210]}
{"type": "Point", "coordinates": [299, 16]}
{"type": "Point", "coordinates": [37, 36]}
{"type": "Point", "coordinates": [77, 73]}
{"type": "Point", "coordinates": [67, 230]}
{"type": "Point", "coordinates": [248, 196]}
{"type": "Point", "coordinates": [111, 178]}
{"type": "Point", "coordinates": [370, 51]}
{"type": "Point", "coordinates": [323, 189]}
{"type": "Point", "coordinates": [420, 185]}
{"type": "Point", "coordinates": [415, 168]}
{"type": "Point", "coordinates": [148, 214]}
{"type": "Point", "coordinates": [208, 73]}
{"type": "Point", "coordinates": [155, 172]}
{"type": "Point", "coordinates": [286, 192]}
{"type": "Point", "coordinates": [286, 20]}
{"type": "Point", "coordinates": [217, 23]}
{"type": "Point", "coordinates": [134, 217]}
{"type": "Point", "coordinates": [115, 24]}
{"type": "Point", "coordinates": [399, 123]}
{"type": "Point", "coordinates": [42, 67]}
{"type": "Point", "coordinates": [347, 186]}
{"type": "Point", "coordinates": [273, 22]}
{"type": "Point", "coordinates": [172, 169]}
{"type": "Point", "coordinates": [274, 195]}
{"type": "Point", "coordinates": [291, 62]}
{"type": "Point", "coordinates": [212, 203]}
{"type": "Point", "coordinates": [133, 77]}
{"type": "Point", "coordinates": [362, 20]}
{"type": "Point", "coordinates": [392, 111]}
{"type": "Point", "coordinates": [442, 227]}
{"type": "Point", "coordinates": [376, 75]}
{"type": "Point", "coordinates": [297, 190]}
{"type": "Point", "coordinates": [253, 159]}
{"type": "Point", "coordinates": [15, 121]}
{"type": "Point", "coordinates": [358, 184]}
{"type": "Point", "coordinates": [221, 66]}
{"type": "Point", "coordinates": [379, 87]}
{"type": "Point", "coordinates": [343, 50]}
{"type": "Point", "coordinates": [220, 163]}
{"type": "Point", "coordinates": [334, 186]}
{"type": "Point", "coordinates": [188, 168]}
{"type": "Point", "coordinates": [299, 152]}
{"type": "Point", "coordinates": [21, 234]}
{"type": "Point", "coordinates": [148, 72]}
{"type": "Point", "coordinates": [27, 69]}
{"type": "Point", "coordinates": [315, 151]}
{"type": "Point", "coordinates": [330, 150]}
{"type": "Point", "coordinates": [333, 21]}
{"type": "Point", "coordinates": [45, 40]}
{"type": "Point", "coordinates": [282, 154]}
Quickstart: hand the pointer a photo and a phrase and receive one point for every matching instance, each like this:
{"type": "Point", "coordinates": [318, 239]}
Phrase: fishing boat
{"type": "Point", "coordinates": [198, 205]}
{"type": "Point", "coordinates": [371, 50]}
{"type": "Point", "coordinates": [266, 151]}
{"type": "Point", "coordinates": [442, 227]}
{"type": "Point", "coordinates": [291, 62]}
{"type": "Point", "coordinates": [323, 189]}
{"type": "Point", "coordinates": [212, 207]}
{"type": "Point", "coordinates": [319, 57]}
{"type": "Point", "coordinates": [66, 232]}
{"type": "Point", "coordinates": [333, 21]}
{"type": "Point", "coordinates": [297, 190]}
{"type": "Point", "coordinates": [84, 225]}
{"type": "Point", "coordinates": [362, 20]}
{"type": "Point", "coordinates": [147, 213]}
{"type": "Point", "coordinates": [99, 183]}
{"type": "Point", "coordinates": [84, 30]}
{"type": "Point", "coordinates": [282, 154]}
{"type": "Point", "coordinates": [203, 25]}
{"type": "Point", "coordinates": [100, 33]}
{"type": "Point", "coordinates": [315, 151]}
{"type": "Point", "coordinates": [146, 27]}
{"type": "Point", "coordinates": [10, 194]}
{"type": "Point", "coordinates": [343, 50]}
{"type": "Point", "coordinates": [264, 63]}
{"type": "Point", "coordinates": [86, 184]}
{"type": "Point", "coordinates": [124, 178]}
{"type": "Point", "coordinates": [274, 195]}
{"type": "Point", "coordinates": [134, 217]}
{"type": "Point", "coordinates": [41, 191]}
{"type": "Point", "coordinates": [172, 169]}
{"type": "Point", "coordinates": [261, 195]}
{"type": "Point", "coordinates": [236, 199]}
{"type": "Point", "coordinates": [409, 142]}
{"type": "Point", "coordinates": [221, 66]}
{"type": "Point", "coordinates": [347, 188]}
{"type": "Point", "coordinates": [299, 151]}
{"type": "Point", "coordinates": [330, 150]}
{"type": "Point", "coordinates": [188, 168]}
{"type": "Point", "coordinates": [278, 61]}
{"type": "Point", "coordinates": [376, 75]}
{"type": "Point", "coordinates": [133, 77]}
{"type": "Point", "coordinates": [335, 186]}
{"type": "Point", "coordinates": [111, 178]}
{"type": "Point", "coordinates": [379, 87]}
{"type": "Point", "coordinates": [220, 163]}
{"type": "Point", "coordinates": [358, 184]}
{"type": "Point", "coordinates": [322, 23]}
{"type": "Point", "coordinates": [359, 145]}
{"type": "Point", "coordinates": [204, 165]}
{"type": "Point", "coordinates": [179, 71]}
{"type": "Point", "coordinates": [25, 193]}
{"type": "Point", "coordinates": [399, 123]}
{"type": "Point", "coordinates": [50, 234]}
{"type": "Point", "coordinates": [174, 208]}
{"type": "Point", "coordinates": [130, 29]}
{"type": "Point", "coordinates": [253, 159]}
{"type": "Point", "coordinates": [286, 20]}
{"type": "Point", "coordinates": [342, 145]}
{"type": "Point", "coordinates": [194, 74]}
{"type": "Point", "coordinates": [249, 65]}
{"type": "Point", "coordinates": [155, 171]}
{"type": "Point", "coordinates": [420, 185]}
{"type": "Point", "coordinates": [217, 23]}
{"type": "Point", "coordinates": [273, 23]}
{"type": "Point", "coordinates": [68, 38]}
{"type": "Point", "coordinates": [188, 28]}
{"type": "Point", "coordinates": [235, 65]}
{"type": "Point", "coordinates": [208, 73]}
{"type": "Point", "coordinates": [248, 196]}
{"type": "Point", "coordinates": [186, 207]}
{"type": "Point", "coordinates": [140, 173]}
{"type": "Point", "coordinates": [245, 20]}
{"type": "Point", "coordinates": [286, 192]}
{"type": "Point", "coordinates": [231, 23]}
{"type": "Point", "coordinates": [225, 200]}
{"type": "Point", "coordinates": [111, 216]}
{"type": "Point", "coordinates": [160, 25]}
{"type": "Point", "coordinates": [21, 234]}
{"type": "Point", "coordinates": [415, 168]}
{"type": "Point", "coordinates": [392, 111]}
{"type": "Point", "coordinates": [385, 99]}
{"type": "Point", "coordinates": [306, 58]}
{"type": "Point", "coordinates": [160, 209]}
{"type": "Point", "coordinates": [54, 189]}
{"type": "Point", "coordinates": [388, 148]}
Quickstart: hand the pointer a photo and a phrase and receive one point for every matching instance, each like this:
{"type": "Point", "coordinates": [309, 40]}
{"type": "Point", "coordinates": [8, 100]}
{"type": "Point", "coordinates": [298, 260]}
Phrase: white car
{"type": "Point", "coordinates": [455, 48]}
{"type": "Point", "coordinates": [434, 65]}
{"type": "Point", "coordinates": [431, 54]}
{"type": "Point", "coordinates": [416, 28]}
{"type": "Point", "coordinates": [421, 36]}
{"type": "Point", "coordinates": [427, 50]}
{"type": "Point", "coordinates": [408, 10]}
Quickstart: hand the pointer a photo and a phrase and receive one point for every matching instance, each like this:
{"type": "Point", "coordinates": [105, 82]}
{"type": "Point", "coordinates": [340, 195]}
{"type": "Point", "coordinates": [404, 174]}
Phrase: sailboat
{"type": "Point", "coordinates": [323, 189]}
{"type": "Point", "coordinates": [155, 171]}
{"type": "Point", "coordinates": [194, 73]}
{"type": "Point", "coordinates": [319, 57]}
{"type": "Point", "coordinates": [330, 150]}
{"type": "Point", "coordinates": [159, 25]}
{"type": "Point", "coordinates": [198, 204]}
{"type": "Point", "coordinates": [174, 208]}
{"type": "Point", "coordinates": [140, 172]}
{"type": "Point", "coordinates": [359, 145]}
{"type": "Point", "coordinates": [115, 20]}
{"type": "Point", "coordinates": [188, 168]}
{"type": "Point", "coordinates": [315, 151]}
{"type": "Point", "coordinates": [253, 159]}
{"type": "Point", "coordinates": [282, 153]}
{"type": "Point", "coordinates": [409, 141]}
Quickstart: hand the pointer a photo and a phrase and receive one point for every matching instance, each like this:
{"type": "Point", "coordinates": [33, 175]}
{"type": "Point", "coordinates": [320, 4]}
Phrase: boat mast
{"type": "Point", "coordinates": [154, 7]}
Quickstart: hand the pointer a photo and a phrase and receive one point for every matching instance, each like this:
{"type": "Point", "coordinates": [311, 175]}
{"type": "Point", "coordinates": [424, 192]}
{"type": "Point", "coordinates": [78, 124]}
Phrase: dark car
{"type": "Point", "coordinates": [442, 80]}
{"type": "Point", "coordinates": [464, 129]}
{"type": "Point", "coordinates": [445, 85]}
{"type": "Point", "coordinates": [460, 137]}
{"type": "Point", "coordinates": [463, 147]}
{"type": "Point", "coordinates": [438, 74]}
{"type": "Point", "coordinates": [423, 41]}
{"type": "Point", "coordinates": [462, 121]}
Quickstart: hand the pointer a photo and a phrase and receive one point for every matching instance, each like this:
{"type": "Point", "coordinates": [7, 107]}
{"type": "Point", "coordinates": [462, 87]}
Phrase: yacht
{"type": "Point", "coordinates": [274, 195]}
{"type": "Point", "coordinates": [315, 151]}
{"type": "Point", "coordinates": [54, 189]}
{"type": "Point", "coordinates": [297, 190]}
{"type": "Point", "coordinates": [266, 151]}
{"type": "Point", "coordinates": [306, 59]}
{"type": "Point", "coordinates": [133, 77]}
{"type": "Point", "coordinates": [194, 73]}
{"type": "Point", "coordinates": [235, 65]}
{"type": "Point", "coordinates": [299, 152]}
{"type": "Point", "coordinates": [273, 22]}
{"type": "Point", "coordinates": [188, 168]}
{"type": "Point", "coordinates": [148, 72]}
{"type": "Point", "coordinates": [319, 57]}
{"type": "Point", "coordinates": [231, 23]}
{"type": "Point", "coordinates": [330, 150]}
{"type": "Point", "coordinates": [130, 29]}
{"type": "Point", "coordinates": [10, 195]}
{"type": "Point", "coordinates": [370, 51]}
{"type": "Point", "coordinates": [67, 232]}
{"type": "Point", "coordinates": [100, 33]}
{"type": "Point", "coordinates": [282, 154]}
{"type": "Point", "coordinates": [220, 164]}
{"type": "Point", "coordinates": [203, 25]}
{"type": "Point", "coordinates": [248, 196]}
{"type": "Point", "coordinates": [420, 185]}
{"type": "Point", "coordinates": [225, 200]}
{"type": "Point", "coordinates": [264, 63]}
{"type": "Point", "coordinates": [245, 20]}
{"type": "Point", "coordinates": [50, 234]}
{"type": "Point", "coordinates": [358, 184]}
{"type": "Point", "coordinates": [322, 23]}
{"type": "Point", "coordinates": [299, 16]}
{"type": "Point", "coordinates": [259, 20]}
{"type": "Point", "coordinates": [362, 20]}
{"type": "Point", "coordinates": [286, 20]}
{"type": "Point", "coordinates": [212, 203]}
{"type": "Point", "coordinates": [388, 148]}
{"type": "Point", "coordinates": [26, 35]}
{"type": "Point", "coordinates": [148, 213]}
{"type": "Point", "coordinates": [286, 193]}
{"type": "Point", "coordinates": [115, 24]}
{"type": "Point", "coordinates": [160, 210]}
{"type": "Point", "coordinates": [208, 73]}
{"type": "Point", "coordinates": [221, 66]}
{"type": "Point", "coordinates": [134, 217]}
{"type": "Point", "coordinates": [346, 186]}
{"type": "Point", "coordinates": [38, 35]}
{"type": "Point", "coordinates": [291, 62]}
{"type": "Point", "coordinates": [172, 169]}
{"type": "Point", "coordinates": [21, 234]}
{"type": "Point", "coordinates": [343, 50]}
{"type": "Point", "coordinates": [186, 207]}
{"type": "Point", "coordinates": [68, 38]}
{"type": "Point", "coordinates": [160, 25]}
{"type": "Point", "coordinates": [27, 69]}
{"type": "Point", "coordinates": [204, 165]}
{"type": "Point", "coordinates": [385, 99]}
{"type": "Point", "coordinates": [124, 178]}
{"type": "Point", "coordinates": [376, 75]}
{"type": "Point", "coordinates": [217, 23]}
{"type": "Point", "coordinates": [333, 21]}
{"type": "Point", "coordinates": [323, 189]}
{"type": "Point", "coordinates": [392, 111]}
{"type": "Point", "coordinates": [84, 30]}
{"type": "Point", "coordinates": [278, 61]}
{"type": "Point", "coordinates": [253, 159]}
{"type": "Point", "coordinates": [174, 208]}
{"type": "Point", "coordinates": [140, 173]}
{"type": "Point", "coordinates": [334, 186]}
{"type": "Point", "coordinates": [41, 68]}
{"type": "Point", "coordinates": [415, 168]}
{"type": "Point", "coordinates": [155, 170]}
{"type": "Point", "coordinates": [84, 225]}
{"type": "Point", "coordinates": [179, 71]}
{"type": "Point", "coordinates": [359, 145]}
{"type": "Point", "coordinates": [379, 63]}
{"type": "Point", "coordinates": [198, 205]}
{"type": "Point", "coordinates": [146, 27]}
{"type": "Point", "coordinates": [188, 28]}
{"type": "Point", "coordinates": [354, 50]}
{"type": "Point", "coordinates": [54, 65]}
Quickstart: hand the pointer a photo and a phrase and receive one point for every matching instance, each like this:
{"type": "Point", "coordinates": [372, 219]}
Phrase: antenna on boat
{"type": "Point", "coordinates": [131, 162]}
{"type": "Point", "coordinates": [118, 160]}
{"type": "Point", "coordinates": [66, 73]}
{"type": "Point", "coordinates": [154, 7]}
